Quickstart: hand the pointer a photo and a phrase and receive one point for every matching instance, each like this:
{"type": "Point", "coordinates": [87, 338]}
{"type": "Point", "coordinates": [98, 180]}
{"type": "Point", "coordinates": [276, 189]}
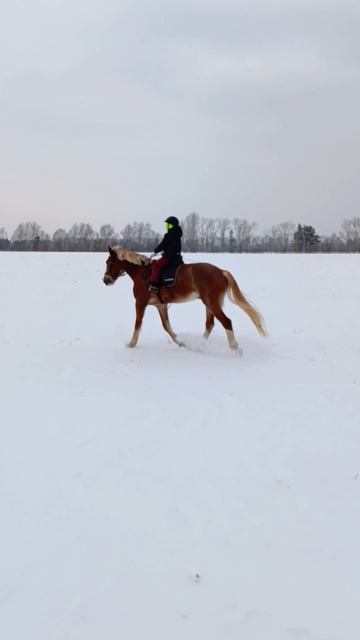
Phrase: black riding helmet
{"type": "Point", "coordinates": [172, 220]}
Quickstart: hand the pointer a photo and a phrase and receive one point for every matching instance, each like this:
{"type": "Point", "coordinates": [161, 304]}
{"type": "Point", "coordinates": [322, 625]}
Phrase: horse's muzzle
{"type": "Point", "coordinates": [108, 280]}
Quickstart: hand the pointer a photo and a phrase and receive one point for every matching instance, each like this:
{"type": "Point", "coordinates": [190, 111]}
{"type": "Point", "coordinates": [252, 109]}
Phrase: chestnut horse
{"type": "Point", "coordinates": [199, 280]}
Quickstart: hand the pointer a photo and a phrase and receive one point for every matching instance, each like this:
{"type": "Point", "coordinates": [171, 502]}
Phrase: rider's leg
{"type": "Point", "coordinates": [156, 269]}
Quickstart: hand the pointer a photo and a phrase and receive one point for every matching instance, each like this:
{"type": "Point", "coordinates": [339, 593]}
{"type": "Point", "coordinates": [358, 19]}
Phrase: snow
{"type": "Point", "coordinates": [168, 493]}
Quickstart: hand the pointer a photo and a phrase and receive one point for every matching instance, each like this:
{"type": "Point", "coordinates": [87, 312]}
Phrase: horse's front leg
{"type": "Point", "coordinates": [140, 310]}
{"type": "Point", "coordinates": [162, 309]}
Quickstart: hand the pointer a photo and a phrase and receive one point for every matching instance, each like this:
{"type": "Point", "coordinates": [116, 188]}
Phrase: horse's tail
{"type": "Point", "coordinates": [238, 298]}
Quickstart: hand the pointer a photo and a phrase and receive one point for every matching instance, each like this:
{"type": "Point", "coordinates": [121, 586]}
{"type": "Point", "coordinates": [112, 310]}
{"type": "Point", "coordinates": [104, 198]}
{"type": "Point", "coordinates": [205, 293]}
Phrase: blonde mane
{"type": "Point", "coordinates": [131, 256]}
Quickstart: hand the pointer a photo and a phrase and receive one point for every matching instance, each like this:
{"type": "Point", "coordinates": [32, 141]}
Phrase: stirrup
{"type": "Point", "coordinates": [154, 287]}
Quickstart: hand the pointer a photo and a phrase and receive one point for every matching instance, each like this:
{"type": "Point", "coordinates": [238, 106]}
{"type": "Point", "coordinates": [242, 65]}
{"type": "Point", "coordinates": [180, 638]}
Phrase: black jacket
{"type": "Point", "coordinates": [170, 245]}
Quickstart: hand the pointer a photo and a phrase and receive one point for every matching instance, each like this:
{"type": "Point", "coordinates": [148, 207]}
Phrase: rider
{"type": "Point", "coordinates": [170, 246]}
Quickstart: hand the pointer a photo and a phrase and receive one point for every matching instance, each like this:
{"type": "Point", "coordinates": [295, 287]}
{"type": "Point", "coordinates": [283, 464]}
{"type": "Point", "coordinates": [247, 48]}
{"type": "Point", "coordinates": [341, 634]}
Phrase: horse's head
{"type": "Point", "coordinates": [120, 261]}
{"type": "Point", "coordinates": [114, 268]}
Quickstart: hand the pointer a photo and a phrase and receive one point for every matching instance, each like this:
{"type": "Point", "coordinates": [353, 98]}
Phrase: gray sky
{"type": "Point", "coordinates": [134, 110]}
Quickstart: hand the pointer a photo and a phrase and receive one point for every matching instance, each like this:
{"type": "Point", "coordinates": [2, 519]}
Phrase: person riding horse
{"type": "Point", "coordinates": [170, 246]}
{"type": "Point", "coordinates": [199, 280]}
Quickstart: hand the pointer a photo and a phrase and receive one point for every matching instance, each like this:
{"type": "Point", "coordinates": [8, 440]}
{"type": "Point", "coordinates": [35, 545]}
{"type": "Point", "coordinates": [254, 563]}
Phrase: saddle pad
{"type": "Point", "coordinates": [169, 274]}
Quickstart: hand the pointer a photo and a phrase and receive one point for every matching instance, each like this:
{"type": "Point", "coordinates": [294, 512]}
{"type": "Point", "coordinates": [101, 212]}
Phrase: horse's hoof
{"type": "Point", "coordinates": [238, 350]}
{"type": "Point", "coordinates": [131, 345]}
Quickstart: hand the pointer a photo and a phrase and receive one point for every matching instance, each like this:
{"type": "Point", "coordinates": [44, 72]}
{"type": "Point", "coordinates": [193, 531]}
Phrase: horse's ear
{"type": "Point", "coordinates": [111, 251]}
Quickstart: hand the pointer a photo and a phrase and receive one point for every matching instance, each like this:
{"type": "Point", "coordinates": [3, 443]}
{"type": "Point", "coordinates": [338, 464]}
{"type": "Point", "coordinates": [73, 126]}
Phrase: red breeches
{"type": "Point", "coordinates": [156, 269]}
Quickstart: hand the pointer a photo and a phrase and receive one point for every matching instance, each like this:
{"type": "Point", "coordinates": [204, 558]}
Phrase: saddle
{"type": "Point", "coordinates": [169, 273]}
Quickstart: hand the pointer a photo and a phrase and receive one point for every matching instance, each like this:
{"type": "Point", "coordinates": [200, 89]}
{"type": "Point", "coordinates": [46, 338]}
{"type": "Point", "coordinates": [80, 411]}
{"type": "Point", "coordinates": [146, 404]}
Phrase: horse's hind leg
{"type": "Point", "coordinates": [140, 310]}
{"type": "Point", "coordinates": [226, 323]}
{"type": "Point", "coordinates": [162, 309]}
{"type": "Point", "coordinates": [209, 325]}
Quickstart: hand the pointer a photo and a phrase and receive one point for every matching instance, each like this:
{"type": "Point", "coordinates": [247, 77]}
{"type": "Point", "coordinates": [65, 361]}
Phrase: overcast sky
{"type": "Point", "coordinates": [131, 110]}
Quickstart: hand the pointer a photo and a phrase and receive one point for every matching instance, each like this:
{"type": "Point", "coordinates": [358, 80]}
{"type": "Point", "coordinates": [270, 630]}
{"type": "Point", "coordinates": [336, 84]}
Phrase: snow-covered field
{"type": "Point", "coordinates": [163, 493]}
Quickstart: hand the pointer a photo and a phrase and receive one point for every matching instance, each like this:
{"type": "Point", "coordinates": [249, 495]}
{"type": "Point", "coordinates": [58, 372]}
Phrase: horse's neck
{"type": "Point", "coordinates": [133, 270]}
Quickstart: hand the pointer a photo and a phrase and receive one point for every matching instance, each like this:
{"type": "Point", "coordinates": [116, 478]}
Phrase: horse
{"type": "Point", "coordinates": [193, 281]}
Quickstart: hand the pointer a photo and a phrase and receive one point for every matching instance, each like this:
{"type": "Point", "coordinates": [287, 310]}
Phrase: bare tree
{"type": "Point", "coordinates": [282, 236]}
{"type": "Point", "coordinates": [4, 241]}
{"type": "Point", "coordinates": [207, 234]}
{"type": "Point", "coordinates": [106, 236]}
{"type": "Point", "coordinates": [28, 235]}
{"type": "Point", "coordinates": [82, 236]}
{"type": "Point", "coordinates": [28, 231]}
{"type": "Point", "coordinates": [332, 244]}
{"type": "Point", "coordinates": [150, 238]}
{"type": "Point", "coordinates": [222, 226]}
{"type": "Point", "coordinates": [350, 233]}
{"type": "Point", "coordinates": [107, 232]}
{"type": "Point", "coordinates": [243, 232]}
{"type": "Point", "coordinates": [60, 240]}
{"type": "Point", "coordinates": [191, 228]}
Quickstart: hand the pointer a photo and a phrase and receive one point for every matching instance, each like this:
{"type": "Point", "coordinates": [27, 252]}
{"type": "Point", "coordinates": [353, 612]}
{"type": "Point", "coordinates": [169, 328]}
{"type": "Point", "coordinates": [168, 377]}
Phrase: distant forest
{"type": "Point", "coordinates": [200, 235]}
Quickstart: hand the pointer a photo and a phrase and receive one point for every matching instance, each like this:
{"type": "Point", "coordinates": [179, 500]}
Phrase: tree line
{"type": "Point", "coordinates": [200, 235]}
